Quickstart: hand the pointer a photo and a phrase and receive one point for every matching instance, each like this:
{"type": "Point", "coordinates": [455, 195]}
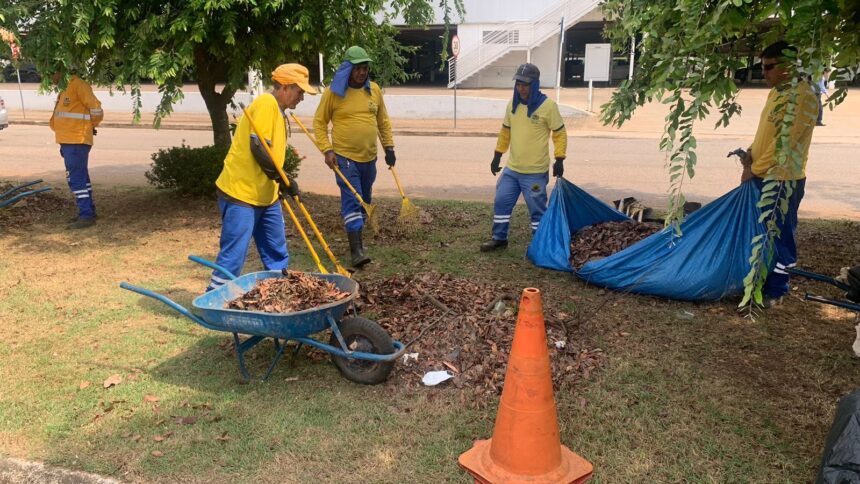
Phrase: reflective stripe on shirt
{"type": "Point", "coordinates": [64, 114]}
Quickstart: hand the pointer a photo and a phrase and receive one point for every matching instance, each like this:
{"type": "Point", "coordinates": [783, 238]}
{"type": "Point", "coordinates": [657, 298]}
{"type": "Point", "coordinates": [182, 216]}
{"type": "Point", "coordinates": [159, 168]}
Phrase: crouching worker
{"type": "Point", "coordinates": [530, 119]}
{"type": "Point", "coordinates": [249, 185]}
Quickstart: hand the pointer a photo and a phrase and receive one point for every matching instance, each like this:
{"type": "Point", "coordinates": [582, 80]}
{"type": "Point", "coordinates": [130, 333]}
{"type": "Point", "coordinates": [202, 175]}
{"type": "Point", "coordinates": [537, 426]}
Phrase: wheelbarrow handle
{"type": "Point", "coordinates": [818, 277]}
{"type": "Point", "coordinates": [833, 302]}
{"type": "Point", "coordinates": [10, 201]}
{"type": "Point", "coordinates": [170, 302]}
{"type": "Point", "coordinates": [15, 189]}
{"type": "Point", "coordinates": [211, 265]}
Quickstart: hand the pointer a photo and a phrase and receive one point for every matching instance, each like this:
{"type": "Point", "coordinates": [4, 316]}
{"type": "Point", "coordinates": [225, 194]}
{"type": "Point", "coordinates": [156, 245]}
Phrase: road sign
{"type": "Point", "coordinates": [455, 46]}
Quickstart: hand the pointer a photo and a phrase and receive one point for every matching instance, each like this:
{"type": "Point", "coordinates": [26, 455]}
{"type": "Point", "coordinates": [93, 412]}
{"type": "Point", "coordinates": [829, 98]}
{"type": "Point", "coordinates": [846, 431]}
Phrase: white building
{"type": "Point", "coordinates": [498, 35]}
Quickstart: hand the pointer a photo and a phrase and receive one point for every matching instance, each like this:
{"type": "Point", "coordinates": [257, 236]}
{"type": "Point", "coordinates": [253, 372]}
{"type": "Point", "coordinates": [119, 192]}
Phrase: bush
{"type": "Point", "coordinates": [193, 171]}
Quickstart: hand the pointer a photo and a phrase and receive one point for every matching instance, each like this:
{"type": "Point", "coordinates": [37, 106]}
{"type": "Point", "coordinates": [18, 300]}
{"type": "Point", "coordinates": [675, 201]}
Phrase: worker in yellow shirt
{"type": "Point", "coordinates": [77, 112]}
{"type": "Point", "coordinates": [354, 106]}
{"type": "Point", "coordinates": [530, 120]}
{"type": "Point", "coordinates": [760, 160]}
{"type": "Point", "coordinates": [249, 186]}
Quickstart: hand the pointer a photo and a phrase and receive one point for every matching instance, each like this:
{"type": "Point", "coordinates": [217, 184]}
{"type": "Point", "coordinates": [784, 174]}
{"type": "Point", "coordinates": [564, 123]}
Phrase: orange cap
{"type": "Point", "coordinates": [287, 74]}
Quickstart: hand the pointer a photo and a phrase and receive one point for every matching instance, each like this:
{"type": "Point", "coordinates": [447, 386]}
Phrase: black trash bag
{"type": "Point", "coordinates": [840, 462]}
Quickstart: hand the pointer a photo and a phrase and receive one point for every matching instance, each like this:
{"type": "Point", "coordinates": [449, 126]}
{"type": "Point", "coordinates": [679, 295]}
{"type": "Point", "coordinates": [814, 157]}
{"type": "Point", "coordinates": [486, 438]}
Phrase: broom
{"type": "Point", "coordinates": [408, 215]}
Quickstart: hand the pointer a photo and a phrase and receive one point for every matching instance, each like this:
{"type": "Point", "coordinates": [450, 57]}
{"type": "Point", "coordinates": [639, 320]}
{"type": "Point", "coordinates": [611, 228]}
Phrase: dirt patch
{"type": "Point", "coordinates": [296, 291]}
{"type": "Point", "coordinates": [33, 208]}
{"type": "Point", "coordinates": [467, 327]}
{"type": "Point", "coordinates": [602, 240]}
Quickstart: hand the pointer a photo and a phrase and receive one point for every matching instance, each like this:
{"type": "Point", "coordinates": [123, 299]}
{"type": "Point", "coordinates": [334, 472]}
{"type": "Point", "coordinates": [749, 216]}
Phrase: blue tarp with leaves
{"type": "Point", "coordinates": [708, 261]}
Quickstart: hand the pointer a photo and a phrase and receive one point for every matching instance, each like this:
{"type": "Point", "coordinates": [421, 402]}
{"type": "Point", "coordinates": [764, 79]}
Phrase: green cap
{"type": "Point", "coordinates": [356, 55]}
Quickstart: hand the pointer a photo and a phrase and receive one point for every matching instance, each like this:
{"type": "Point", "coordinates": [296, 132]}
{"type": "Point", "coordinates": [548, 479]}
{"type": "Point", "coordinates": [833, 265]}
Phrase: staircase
{"type": "Point", "coordinates": [517, 36]}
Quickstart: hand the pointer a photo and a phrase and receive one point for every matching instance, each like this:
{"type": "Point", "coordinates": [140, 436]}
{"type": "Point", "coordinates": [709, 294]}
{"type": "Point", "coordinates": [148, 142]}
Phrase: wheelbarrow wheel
{"type": "Point", "coordinates": [362, 334]}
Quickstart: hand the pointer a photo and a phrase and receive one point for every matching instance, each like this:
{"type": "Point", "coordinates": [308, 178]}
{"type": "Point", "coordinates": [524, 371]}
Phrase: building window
{"type": "Point", "coordinates": [500, 36]}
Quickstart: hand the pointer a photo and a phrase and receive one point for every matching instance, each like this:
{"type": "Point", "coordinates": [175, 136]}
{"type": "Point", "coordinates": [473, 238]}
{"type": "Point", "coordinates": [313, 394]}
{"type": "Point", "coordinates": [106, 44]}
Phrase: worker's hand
{"type": "Point", "coordinates": [288, 191]}
{"type": "Point", "coordinates": [558, 167]}
{"type": "Point", "coordinates": [495, 166]}
{"type": "Point", "coordinates": [747, 175]}
{"type": "Point", "coordinates": [390, 159]}
{"type": "Point", "coordinates": [331, 159]}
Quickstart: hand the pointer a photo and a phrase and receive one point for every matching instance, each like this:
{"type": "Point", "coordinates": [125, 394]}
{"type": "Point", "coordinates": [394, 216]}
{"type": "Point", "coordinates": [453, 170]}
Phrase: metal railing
{"type": "Point", "coordinates": [516, 35]}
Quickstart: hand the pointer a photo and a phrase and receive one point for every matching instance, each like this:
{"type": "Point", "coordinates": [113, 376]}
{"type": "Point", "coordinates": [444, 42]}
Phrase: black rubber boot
{"type": "Point", "coordinates": [357, 249]}
{"type": "Point", "coordinates": [494, 244]}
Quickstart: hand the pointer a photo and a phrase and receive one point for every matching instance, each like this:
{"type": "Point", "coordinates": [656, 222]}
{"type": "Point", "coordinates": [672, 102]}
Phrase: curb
{"type": "Point", "coordinates": [19, 470]}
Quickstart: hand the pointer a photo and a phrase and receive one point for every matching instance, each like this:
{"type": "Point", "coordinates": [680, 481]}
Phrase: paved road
{"type": "Point", "coordinates": [457, 167]}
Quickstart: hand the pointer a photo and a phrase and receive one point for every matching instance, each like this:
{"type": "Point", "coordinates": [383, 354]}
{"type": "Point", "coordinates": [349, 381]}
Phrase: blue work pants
{"type": "Point", "coordinates": [76, 158]}
{"type": "Point", "coordinates": [238, 224]}
{"type": "Point", "coordinates": [361, 176]}
{"type": "Point", "coordinates": [508, 189]}
{"type": "Point", "coordinates": [785, 248]}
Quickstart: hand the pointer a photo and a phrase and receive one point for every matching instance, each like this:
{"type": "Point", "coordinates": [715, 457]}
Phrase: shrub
{"type": "Point", "coordinates": [193, 171]}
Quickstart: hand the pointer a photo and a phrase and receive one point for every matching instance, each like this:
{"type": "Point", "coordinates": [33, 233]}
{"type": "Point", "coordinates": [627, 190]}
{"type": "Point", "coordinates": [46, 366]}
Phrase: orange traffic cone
{"type": "Point", "coordinates": [526, 446]}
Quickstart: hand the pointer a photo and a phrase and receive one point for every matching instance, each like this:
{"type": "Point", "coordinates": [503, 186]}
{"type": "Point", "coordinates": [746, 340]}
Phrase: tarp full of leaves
{"type": "Point", "coordinates": [296, 291]}
{"type": "Point", "coordinates": [473, 340]}
{"type": "Point", "coordinates": [604, 239]}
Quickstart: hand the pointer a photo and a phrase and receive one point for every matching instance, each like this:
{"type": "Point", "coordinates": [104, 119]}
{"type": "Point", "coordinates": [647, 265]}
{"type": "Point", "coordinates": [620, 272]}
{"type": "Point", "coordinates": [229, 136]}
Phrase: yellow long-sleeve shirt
{"type": "Point", "coordinates": [357, 119]}
{"type": "Point", "coordinates": [528, 137]}
{"type": "Point", "coordinates": [242, 178]}
{"type": "Point", "coordinates": [763, 148]}
{"type": "Point", "coordinates": [76, 113]}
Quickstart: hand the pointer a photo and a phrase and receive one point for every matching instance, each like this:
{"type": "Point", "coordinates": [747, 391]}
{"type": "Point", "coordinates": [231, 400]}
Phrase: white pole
{"type": "Point", "coordinates": [321, 69]}
{"type": "Point", "coordinates": [529, 55]}
{"type": "Point", "coordinates": [558, 70]}
{"type": "Point", "coordinates": [590, 94]}
{"type": "Point", "coordinates": [632, 55]}
{"type": "Point", "coordinates": [21, 93]}
{"type": "Point", "coordinates": [455, 92]}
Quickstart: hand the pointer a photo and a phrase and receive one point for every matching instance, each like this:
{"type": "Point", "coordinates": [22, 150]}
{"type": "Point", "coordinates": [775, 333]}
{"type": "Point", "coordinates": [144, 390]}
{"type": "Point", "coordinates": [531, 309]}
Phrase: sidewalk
{"type": "Point", "coordinates": [647, 122]}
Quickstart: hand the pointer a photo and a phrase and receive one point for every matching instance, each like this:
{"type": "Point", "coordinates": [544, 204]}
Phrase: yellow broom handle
{"type": "Point", "coordinates": [336, 169]}
{"type": "Point", "coordinates": [301, 231]}
{"type": "Point", "coordinates": [397, 181]}
{"type": "Point", "coordinates": [283, 176]}
{"type": "Point", "coordinates": [339, 268]}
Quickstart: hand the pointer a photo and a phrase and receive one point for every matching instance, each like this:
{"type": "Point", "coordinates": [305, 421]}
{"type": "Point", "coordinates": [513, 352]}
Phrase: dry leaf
{"type": "Point", "coordinates": [150, 398]}
{"type": "Point", "coordinates": [112, 380]}
{"type": "Point", "coordinates": [84, 384]}
{"type": "Point", "coordinates": [157, 453]}
{"type": "Point", "coordinates": [158, 438]}
{"type": "Point", "coordinates": [223, 438]}
{"type": "Point", "coordinates": [190, 420]}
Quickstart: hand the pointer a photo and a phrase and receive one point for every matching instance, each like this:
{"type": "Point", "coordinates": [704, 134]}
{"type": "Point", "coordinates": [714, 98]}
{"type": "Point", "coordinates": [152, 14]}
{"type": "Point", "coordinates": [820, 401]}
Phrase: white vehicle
{"type": "Point", "coordinates": [4, 116]}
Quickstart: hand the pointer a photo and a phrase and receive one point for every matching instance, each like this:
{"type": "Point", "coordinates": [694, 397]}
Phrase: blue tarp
{"type": "Point", "coordinates": [708, 261]}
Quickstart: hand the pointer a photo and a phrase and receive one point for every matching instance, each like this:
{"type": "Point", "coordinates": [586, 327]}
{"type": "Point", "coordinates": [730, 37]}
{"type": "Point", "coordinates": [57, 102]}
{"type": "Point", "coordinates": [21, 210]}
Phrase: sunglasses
{"type": "Point", "coordinates": [768, 67]}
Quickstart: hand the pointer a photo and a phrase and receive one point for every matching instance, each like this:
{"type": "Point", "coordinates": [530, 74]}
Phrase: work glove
{"type": "Point", "coordinates": [291, 191]}
{"type": "Point", "coordinates": [558, 167]}
{"type": "Point", "coordinates": [495, 166]}
{"type": "Point", "coordinates": [390, 159]}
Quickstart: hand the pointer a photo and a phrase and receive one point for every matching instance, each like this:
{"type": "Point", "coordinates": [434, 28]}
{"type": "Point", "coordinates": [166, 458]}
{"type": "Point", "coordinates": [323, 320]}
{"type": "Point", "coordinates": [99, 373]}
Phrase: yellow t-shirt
{"type": "Point", "coordinates": [242, 178]}
{"type": "Point", "coordinates": [763, 148]}
{"type": "Point", "coordinates": [530, 136]}
{"type": "Point", "coordinates": [357, 120]}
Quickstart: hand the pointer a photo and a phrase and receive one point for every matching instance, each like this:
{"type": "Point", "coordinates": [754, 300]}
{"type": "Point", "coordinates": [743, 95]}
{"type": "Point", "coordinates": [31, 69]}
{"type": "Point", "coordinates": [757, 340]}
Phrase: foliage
{"type": "Point", "coordinates": [193, 171]}
{"type": "Point", "coordinates": [121, 43]}
{"type": "Point", "coordinates": [688, 52]}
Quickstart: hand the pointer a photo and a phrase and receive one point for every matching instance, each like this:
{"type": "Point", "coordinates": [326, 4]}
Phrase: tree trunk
{"type": "Point", "coordinates": [208, 73]}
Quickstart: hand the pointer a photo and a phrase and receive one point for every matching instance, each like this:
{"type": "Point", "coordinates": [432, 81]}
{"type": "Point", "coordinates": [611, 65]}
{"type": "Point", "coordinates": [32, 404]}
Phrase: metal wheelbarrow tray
{"type": "Point", "coordinates": [360, 348]}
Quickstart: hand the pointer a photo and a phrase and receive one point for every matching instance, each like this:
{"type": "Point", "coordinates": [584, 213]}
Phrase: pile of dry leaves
{"type": "Point", "coordinates": [602, 240]}
{"type": "Point", "coordinates": [296, 291]}
{"type": "Point", "coordinates": [467, 329]}
{"type": "Point", "coordinates": [32, 208]}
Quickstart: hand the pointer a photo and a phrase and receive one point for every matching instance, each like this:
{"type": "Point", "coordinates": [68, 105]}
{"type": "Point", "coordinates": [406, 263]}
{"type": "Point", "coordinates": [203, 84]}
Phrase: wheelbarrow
{"type": "Point", "coordinates": [10, 197]}
{"type": "Point", "coordinates": [361, 349]}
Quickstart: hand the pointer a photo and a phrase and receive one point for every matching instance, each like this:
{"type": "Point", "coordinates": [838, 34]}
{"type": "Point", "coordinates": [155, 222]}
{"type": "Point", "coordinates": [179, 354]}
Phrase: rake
{"type": "Point", "coordinates": [408, 215]}
{"type": "Point", "coordinates": [370, 209]}
{"type": "Point", "coordinates": [339, 268]}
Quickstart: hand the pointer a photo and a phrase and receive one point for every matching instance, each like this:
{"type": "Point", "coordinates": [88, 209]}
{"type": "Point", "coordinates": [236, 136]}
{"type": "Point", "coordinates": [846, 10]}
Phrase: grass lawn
{"type": "Point", "coordinates": [715, 397]}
